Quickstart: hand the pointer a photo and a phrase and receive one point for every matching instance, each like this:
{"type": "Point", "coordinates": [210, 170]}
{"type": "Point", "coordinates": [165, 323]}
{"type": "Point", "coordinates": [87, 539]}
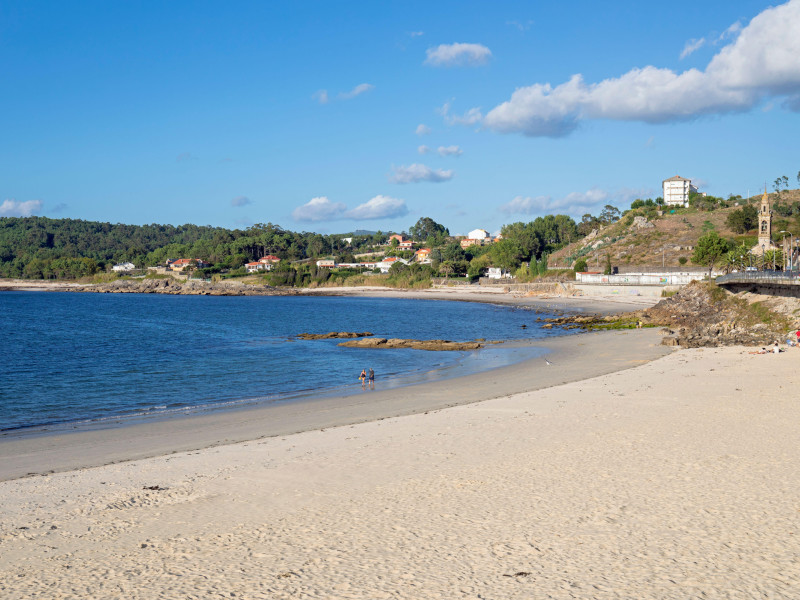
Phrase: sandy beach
{"type": "Point", "coordinates": [673, 478]}
{"type": "Point", "coordinates": [496, 294]}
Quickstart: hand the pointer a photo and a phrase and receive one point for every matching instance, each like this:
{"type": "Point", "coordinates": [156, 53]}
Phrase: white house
{"type": "Point", "coordinates": [123, 267]}
{"type": "Point", "coordinates": [387, 263]}
{"type": "Point", "coordinates": [479, 234]}
{"type": "Point", "coordinates": [497, 273]}
{"type": "Point", "coordinates": [676, 191]}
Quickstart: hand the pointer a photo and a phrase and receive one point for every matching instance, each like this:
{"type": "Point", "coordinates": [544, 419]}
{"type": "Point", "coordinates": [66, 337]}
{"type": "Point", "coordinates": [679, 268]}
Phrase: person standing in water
{"type": "Point", "coordinates": [371, 379]}
{"type": "Point", "coordinates": [363, 377]}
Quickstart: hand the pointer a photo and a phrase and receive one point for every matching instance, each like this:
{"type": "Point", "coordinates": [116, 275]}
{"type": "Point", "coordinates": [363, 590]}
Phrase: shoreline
{"type": "Point", "coordinates": [572, 358]}
{"type": "Point", "coordinates": [602, 305]}
{"type": "Point", "coordinates": [672, 479]}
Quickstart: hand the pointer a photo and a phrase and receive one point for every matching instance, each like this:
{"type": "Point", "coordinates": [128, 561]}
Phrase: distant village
{"type": "Point", "coordinates": [422, 255]}
{"type": "Point", "coordinates": [381, 255]}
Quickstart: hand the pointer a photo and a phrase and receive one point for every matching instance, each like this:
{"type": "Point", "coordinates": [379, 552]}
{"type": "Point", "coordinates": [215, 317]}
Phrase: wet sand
{"type": "Point", "coordinates": [571, 357]}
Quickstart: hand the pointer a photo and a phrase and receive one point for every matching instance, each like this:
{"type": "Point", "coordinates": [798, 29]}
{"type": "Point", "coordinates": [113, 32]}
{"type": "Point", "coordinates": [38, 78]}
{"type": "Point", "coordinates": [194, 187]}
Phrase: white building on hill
{"type": "Point", "coordinates": [479, 234]}
{"type": "Point", "coordinates": [676, 191]}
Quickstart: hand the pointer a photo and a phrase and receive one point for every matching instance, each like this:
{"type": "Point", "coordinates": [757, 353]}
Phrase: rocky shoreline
{"type": "Point", "coordinates": [177, 287]}
{"type": "Point", "coordinates": [433, 345]}
{"type": "Point", "coordinates": [367, 341]}
{"type": "Point", "coordinates": [699, 315]}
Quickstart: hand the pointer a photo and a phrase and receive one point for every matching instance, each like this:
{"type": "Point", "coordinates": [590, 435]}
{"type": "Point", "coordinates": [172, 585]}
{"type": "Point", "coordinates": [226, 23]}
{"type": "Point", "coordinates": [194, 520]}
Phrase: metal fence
{"type": "Point", "coordinates": [781, 277]}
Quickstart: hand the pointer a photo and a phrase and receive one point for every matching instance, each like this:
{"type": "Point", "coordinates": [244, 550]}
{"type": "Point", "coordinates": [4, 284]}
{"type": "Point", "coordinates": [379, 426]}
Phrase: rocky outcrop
{"type": "Point", "coordinates": [720, 334]}
{"type": "Point", "coordinates": [640, 222]}
{"type": "Point", "coordinates": [175, 286]}
{"type": "Point", "coordinates": [333, 335]}
{"type": "Point", "coordinates": [698, 315]}
{"type": "Point", "coordinates": [704, 315]}
{"type": "Point", "coordinates": [435, 345]}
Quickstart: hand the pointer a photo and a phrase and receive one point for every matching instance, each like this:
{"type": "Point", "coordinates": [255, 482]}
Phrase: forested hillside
{"type": "Point", "coordinates": [38, 247]}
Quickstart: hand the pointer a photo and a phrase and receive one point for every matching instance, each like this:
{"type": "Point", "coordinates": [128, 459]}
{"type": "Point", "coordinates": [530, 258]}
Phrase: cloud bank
{"type": "Point", "coordinates": [318, 209]}
{"type": "Point", "coordinates": [761, 62]}
{"type": "Point", "coordinates": [450, 151]}
{"type": "Point", "coordinates": [12, 208]}
{"type": "Point", "coordinates": [417, 172]}
{"type": "Point", "coordinates": [458, 55]}
{"type": "Point", "coordinates": [572, 204]}
{"type": "Point", "coordinates": [379, 207]}
{"type": "Point", "coordinates": [322, 209]}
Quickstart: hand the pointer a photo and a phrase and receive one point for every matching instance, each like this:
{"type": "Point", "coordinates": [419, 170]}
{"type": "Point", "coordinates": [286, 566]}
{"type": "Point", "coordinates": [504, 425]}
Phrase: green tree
{"type": "Point", "coordinates": [427, 228]}
{"type": "Point", "coordinates": [580, 265]}
{"type": "Point", "coordinates": [709, 249]}
{"type": "Point", "coordinates": [453, 251]}
{"type": "Point", "coordinates": [525, 236]}
{"type": "Point", "coordinates": [743, 219]}
{"type": "Point", "coordinates": [506, 254]}
{"type": "Point", "coordinates": [609, 214]}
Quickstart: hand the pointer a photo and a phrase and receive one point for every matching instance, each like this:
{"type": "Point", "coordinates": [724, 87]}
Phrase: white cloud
{"type": "Point", "coordinates": [625, 196]}
{"type": "Point", "coordinates": [730, 32]}
{"type": "Point", "coordinates": [12, 208]}
{"type": "Point", "coordinates": [379, 207]}
{"type": "Point", "coordinates": [321, 96]}
{"type": "Point", "coordinates": [423, 149]}
{"type": "Point", "coordinates": [457, 55]}
{"type": "Point", "coordinates": [241, 201]}
{"type": "Point", "coordinates": [356, 91]}
{"type": "Point", "coordinates": [472, 116]}
{"type": "Point", "coordinates": [319, 209]}
{"type": "Point", "coordinates": [573, 203]}
{"type": "Point", "coordinates": [449, 151]}
{"type": "Point", "coordinates": [423, 129]}
{"type": "Point", "coordinates": [416, 33]}
{"type": "Point", "coordinates": [761, 62]}
{"type": "Point", "coordinates": [417, 172]}
{"type": "Point", "coordinates": [692, 46]}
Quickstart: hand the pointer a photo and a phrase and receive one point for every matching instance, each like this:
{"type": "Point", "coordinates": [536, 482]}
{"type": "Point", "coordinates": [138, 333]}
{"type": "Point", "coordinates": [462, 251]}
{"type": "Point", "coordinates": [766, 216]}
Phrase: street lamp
{"type": "Point", "coordinates": [783, 246]}
{"type": "Point", "coordinates": [791, 248]}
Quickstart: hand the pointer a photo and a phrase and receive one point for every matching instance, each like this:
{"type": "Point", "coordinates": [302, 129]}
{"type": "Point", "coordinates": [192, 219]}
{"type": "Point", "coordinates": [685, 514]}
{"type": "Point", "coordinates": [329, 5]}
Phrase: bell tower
{"type": "Point", "coordinates": [764, 226]}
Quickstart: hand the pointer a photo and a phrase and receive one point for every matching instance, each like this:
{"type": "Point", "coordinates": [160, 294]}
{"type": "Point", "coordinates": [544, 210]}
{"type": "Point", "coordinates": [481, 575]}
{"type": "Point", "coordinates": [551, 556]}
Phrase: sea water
{"type": "Point", "coordinates": [76, 358]}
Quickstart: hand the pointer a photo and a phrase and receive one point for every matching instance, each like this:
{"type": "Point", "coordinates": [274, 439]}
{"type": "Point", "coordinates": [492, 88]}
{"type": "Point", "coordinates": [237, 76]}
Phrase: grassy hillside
{"type": "Point", "coordinates": [671, 236]}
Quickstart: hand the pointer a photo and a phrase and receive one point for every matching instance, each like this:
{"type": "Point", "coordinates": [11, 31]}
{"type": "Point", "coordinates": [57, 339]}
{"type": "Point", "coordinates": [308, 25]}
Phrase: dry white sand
{"type": "Point", "coordinates": [496, 294]}
{"type": "Point", "coordinates": [673, 479]}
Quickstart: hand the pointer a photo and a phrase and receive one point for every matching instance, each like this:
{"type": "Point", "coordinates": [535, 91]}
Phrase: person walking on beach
{"type": "Point", "coordinates": [371, 379]}
{"type": "Point", "coordinates": [363, 377]}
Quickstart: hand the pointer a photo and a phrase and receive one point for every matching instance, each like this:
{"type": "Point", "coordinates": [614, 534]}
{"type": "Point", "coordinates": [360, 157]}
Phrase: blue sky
{"type": "Point", "coordinates": [329, 117]}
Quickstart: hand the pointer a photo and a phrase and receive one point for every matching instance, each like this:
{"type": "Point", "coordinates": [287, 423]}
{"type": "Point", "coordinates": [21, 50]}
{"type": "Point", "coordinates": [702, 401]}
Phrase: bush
{"type": "Point", "coordinates": [581, 265]}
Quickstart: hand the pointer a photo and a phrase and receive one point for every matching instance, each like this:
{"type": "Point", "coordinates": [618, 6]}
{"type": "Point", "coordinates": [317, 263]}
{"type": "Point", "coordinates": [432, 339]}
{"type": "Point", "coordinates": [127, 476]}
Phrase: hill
{"type": "Point", "coordinates": [643, 238]}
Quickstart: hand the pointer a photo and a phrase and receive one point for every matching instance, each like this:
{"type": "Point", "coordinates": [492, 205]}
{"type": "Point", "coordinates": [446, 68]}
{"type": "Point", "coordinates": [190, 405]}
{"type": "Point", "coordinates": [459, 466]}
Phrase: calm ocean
{"type": "Point", "coordinates": [92, 358]}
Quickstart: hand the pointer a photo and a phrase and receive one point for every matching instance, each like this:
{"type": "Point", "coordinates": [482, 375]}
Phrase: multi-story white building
{"type": "Point", "coordinates": [676, 190]}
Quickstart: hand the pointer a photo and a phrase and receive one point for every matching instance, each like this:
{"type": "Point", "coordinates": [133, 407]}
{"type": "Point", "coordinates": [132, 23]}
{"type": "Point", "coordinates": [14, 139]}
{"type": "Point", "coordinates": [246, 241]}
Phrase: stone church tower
{"type": "Point", "coordinates": [764, 227]}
